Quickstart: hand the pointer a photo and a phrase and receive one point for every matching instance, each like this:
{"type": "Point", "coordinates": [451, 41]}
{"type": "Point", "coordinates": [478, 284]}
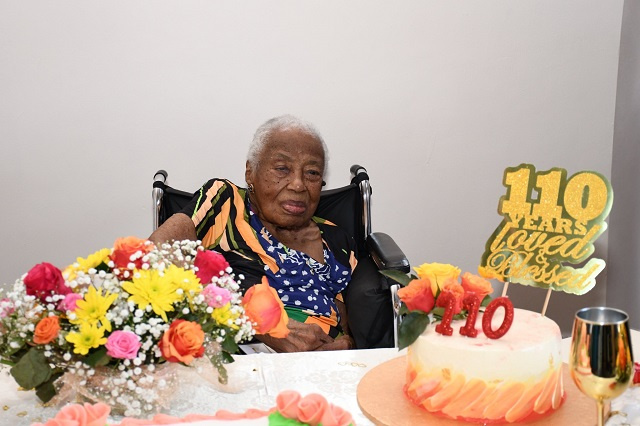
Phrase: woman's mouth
{"type": "Point", "coordinates": [294, 207]}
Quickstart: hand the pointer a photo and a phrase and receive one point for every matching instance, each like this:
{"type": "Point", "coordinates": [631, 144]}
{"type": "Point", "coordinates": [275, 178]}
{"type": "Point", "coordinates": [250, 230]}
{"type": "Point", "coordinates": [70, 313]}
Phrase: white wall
{"type": "Point", "coordinates": [624, 267]}
{"type": "Point", "coordinates": [435, 98]}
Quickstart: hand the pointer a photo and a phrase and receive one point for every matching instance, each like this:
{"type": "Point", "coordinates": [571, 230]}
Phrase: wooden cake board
{"type": "Point", "coordinates": [382, 399]}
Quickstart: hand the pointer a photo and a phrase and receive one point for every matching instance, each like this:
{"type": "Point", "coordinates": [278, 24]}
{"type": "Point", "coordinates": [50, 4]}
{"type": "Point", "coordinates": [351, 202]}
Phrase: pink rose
{"type": "Point", "coordinates": [44, 280]}
{"type": "Point", "coordinates": [123, 344]}
{"type": "Point", "coordinates": [79, 415]}
{"type": "Point", "coordinates": [209, 264]}
{"type": "Point", "coordinates": [69, 302]}
{"type": "Point", "coordinates": [287, 404]}
{"type": "Point", "coordinates": [336, 416]}
{"type": "Point", "coordinates": [215, 296]}
{"type": "Point", "coordinates": [312, 408]}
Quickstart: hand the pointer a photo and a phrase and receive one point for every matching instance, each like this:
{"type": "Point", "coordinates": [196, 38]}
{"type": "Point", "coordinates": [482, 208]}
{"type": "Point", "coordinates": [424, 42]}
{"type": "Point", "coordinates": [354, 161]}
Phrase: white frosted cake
{"type": "Point", "coordinates": [514, 378]}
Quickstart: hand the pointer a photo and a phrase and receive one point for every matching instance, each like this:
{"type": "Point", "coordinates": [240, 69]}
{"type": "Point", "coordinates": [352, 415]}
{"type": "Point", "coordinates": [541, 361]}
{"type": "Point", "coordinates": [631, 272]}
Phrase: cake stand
{"type": "Point", "coordinates": [382, 399]}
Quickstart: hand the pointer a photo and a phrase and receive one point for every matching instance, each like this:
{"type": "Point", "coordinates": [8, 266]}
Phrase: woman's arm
{"type": "Point", "coordinates": [341, 342]}
{"type": "Point", "coordinates": [178, 227]}
{"type": "Point", "coordinates": [302, 337]}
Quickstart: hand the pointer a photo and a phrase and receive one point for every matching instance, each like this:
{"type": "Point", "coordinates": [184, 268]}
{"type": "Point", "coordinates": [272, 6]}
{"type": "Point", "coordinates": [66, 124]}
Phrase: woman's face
{"type": "Point", "coordinates": [287, 179]}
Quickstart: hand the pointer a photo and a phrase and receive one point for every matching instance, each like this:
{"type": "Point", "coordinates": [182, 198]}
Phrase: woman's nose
{"type": "Point", "coordinates": [296, 183]}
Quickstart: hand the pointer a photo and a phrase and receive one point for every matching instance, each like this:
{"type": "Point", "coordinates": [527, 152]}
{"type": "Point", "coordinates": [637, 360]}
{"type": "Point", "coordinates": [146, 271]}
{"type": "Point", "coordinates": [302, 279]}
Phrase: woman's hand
{"type": "Point", "coordinates": [341, 343]}
{"type": "Point", "coordinates": [302, 337]}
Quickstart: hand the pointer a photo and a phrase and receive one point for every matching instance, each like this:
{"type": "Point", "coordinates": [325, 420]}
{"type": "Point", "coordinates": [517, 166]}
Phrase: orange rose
{"type": "Point", "coordinates": [182, 342]}
{"type": "Point", "coordinates": [451, 285]}
{"type": "Point", "coordinates": [124, 248]}
{"type": "Point", "coordinates": [265, 309]}
{"type": "Point", "coordinates": [46, 330]}
{"type": "Point", "coordinates": [476, 284]}
{"type": "Point", "coordinates": [418, 295]}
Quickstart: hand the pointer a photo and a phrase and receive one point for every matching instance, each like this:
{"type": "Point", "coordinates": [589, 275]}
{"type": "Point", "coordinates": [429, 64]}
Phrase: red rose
{"type": "Point", "coordinates": [44, 280]}
{"type": "Point", "coordinates": [418, 295]}
{"type": "Point", "coordinates": [125, 248]}
{"type": "Point", "coordinates": [209, 264]}
{"type": "Point", "coordinates": [182, 342]}
{"type": "Point", "coordinates": [636, 374]}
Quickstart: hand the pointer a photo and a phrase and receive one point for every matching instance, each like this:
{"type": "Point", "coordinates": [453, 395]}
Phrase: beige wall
{"type": "Point", "coordinates": [435, 98]}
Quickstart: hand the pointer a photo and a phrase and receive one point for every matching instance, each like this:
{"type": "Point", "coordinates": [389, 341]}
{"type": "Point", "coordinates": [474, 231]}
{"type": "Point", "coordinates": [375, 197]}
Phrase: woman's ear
{"type": "Point", "coordinates": [247, 173]}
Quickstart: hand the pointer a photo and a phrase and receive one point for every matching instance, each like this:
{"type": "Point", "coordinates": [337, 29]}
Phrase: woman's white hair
{"type": "Point", "coordinates": [281, 123]}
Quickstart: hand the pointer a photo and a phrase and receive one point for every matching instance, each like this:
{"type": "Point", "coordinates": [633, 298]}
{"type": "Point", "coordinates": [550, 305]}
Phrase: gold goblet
{"type": "Point", "coordinates": [601, 358]}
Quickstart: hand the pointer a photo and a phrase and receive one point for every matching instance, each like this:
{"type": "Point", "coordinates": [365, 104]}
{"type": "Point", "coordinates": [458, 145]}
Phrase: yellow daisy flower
{"type": "Point", "coordinates": [150, 288]}
{"type": "Point", "coordinates": [224, 316]}
{"type": "Point", "coordinates": [92, 309]}
{"type": "Point", "coordinates": [83, 265]}
{"type": "Point", "coordinates": [89, 336]}
{"type": "Point", "coordinates": [183, 279]}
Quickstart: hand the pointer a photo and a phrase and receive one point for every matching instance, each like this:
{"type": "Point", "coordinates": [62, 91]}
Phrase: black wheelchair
{"type": "Point", "coordinates": [370, 298]}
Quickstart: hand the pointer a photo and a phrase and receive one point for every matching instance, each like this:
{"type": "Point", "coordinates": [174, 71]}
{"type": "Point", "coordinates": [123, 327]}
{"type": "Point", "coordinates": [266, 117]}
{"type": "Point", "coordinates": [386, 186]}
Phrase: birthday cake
{"type": "Point", "coordinates": [514, 378]}
{"type": "Point", "coordinates": [291, 409]}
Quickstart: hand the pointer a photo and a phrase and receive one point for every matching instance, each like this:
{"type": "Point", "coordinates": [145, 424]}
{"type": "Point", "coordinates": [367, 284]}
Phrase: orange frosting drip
{"type": "Point", "coordinates": [451, 395]}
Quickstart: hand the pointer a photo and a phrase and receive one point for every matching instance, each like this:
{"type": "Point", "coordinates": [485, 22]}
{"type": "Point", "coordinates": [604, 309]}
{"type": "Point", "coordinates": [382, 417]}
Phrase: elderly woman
{"type": "Point", "coordinates": [269, 229]}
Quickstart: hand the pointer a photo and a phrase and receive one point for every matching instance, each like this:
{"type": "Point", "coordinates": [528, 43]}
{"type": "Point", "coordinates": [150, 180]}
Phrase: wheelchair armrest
{"type": "Point", "coordinates": [386, 253]}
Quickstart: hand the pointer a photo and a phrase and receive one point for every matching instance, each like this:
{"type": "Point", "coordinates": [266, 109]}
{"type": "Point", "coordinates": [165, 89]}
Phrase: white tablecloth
{"type": "Point", "coordinates": [256, 379]}
{"type": "Point", "coordinates": [254, 382]}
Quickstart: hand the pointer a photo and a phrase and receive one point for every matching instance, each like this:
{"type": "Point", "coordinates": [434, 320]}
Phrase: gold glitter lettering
{"type": "Point", "coordinates": [563, 226]}
{"type": "Point", "coordinates": [537, 236]}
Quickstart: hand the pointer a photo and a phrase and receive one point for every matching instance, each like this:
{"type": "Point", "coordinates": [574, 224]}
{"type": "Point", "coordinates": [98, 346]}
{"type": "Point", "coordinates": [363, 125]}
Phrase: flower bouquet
{"type": "Point", "coordinates": [424, 297]}
{"type": "Point", "coordinates": [112, 327]}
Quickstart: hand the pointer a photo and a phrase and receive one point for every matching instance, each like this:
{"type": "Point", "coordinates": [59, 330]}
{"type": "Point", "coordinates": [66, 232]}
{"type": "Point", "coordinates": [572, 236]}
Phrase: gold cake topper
{"type": "Point", "coordinates": [549, 221]}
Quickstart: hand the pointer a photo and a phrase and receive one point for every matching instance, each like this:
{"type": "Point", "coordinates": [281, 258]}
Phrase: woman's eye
{"type": "Point", "coordinates": [313, 174]}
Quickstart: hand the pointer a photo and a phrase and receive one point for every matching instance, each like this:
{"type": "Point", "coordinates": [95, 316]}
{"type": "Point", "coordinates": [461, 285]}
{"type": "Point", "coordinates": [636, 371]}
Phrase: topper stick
{"type": "Point", "coordinates": [505, 288]}
{"type": "Point", "coordinates": [546, 301]}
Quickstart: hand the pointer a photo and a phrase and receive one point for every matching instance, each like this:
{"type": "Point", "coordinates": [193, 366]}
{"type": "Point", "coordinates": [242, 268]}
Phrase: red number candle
{"type": "Point", "coordinates": [471, 303]}
{"type": "Point", "coordinates": [488, 316]}
{"type": "Point", "coordinates": [446, 300]}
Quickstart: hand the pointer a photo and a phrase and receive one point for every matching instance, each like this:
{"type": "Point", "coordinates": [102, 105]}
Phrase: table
{"type": "Point", "coordinates": [254, 383]}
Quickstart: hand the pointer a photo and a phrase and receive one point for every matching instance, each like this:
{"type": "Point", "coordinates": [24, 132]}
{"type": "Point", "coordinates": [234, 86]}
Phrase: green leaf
{"type": "Point", "coordinates": [46, 391]}
{"type": "Point", "coordinates": [227, 358]}
{"type": "Point", "coordinates": [32, 370]}
{"type": "Point", "coordinates": [229, 344]}
{"type": "Point", "coordinates": [412, 326]}
{"type": "Point", "coordinates": [486, 301]}
{"type": "Point", "coordinates": [208, 327]}
{"type": "Point", "coordinates": [397, 276]}
{"type": "Point", "coordinates": [98, 358]}
{"type": "Point", "coordinates": [403, 309]}
{"type": "Point", "coordinates": [438, 311]}
{"type": "Point", "coordinates": [278, 419]}
{"type": "Point", "coordinates": [103, 267]}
